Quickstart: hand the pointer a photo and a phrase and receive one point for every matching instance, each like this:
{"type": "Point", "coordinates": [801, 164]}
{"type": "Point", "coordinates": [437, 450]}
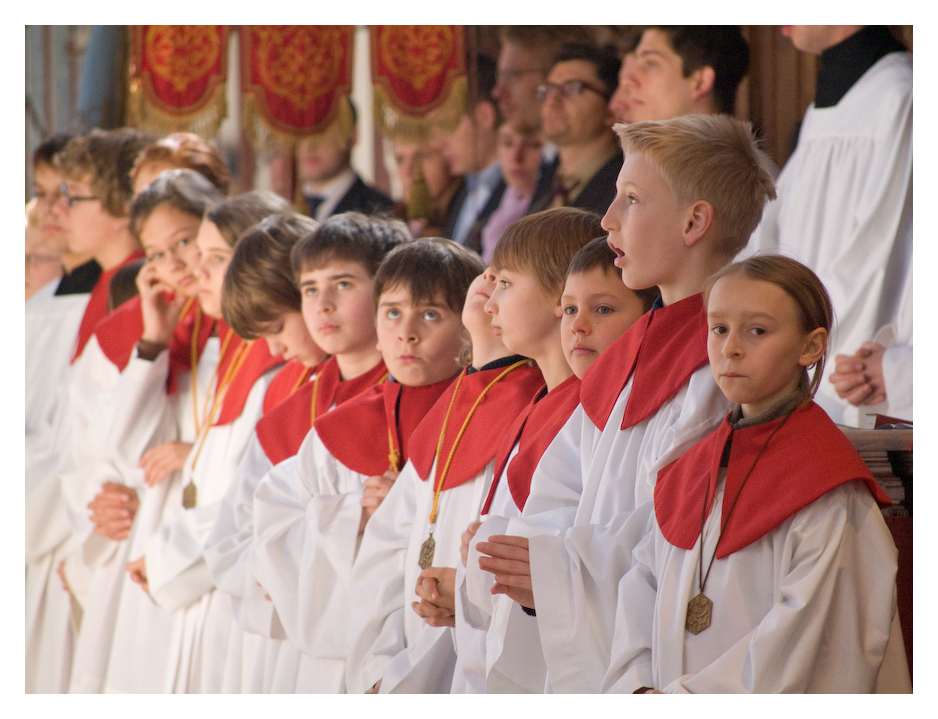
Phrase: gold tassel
{"type": "Point", "coordinates": [266, 138]}
{"type": "Point", "coordinates": [397, 126]}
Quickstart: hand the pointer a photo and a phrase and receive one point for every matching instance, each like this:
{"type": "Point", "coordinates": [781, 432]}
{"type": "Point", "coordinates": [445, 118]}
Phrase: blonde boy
{"type": "Point", "coordinates": [690, 192]}
{"type": "Point", "coordinates": [311, 509]}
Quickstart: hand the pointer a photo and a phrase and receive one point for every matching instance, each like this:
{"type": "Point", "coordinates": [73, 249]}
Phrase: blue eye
{"type": "Point", "coordinates": [570, 310]}
{"type": "Point", "coordinates": [394, 313]}
{"type": "Point", "coordinates": [432, 315]}
{"type": "Point", "coordinates": [604, 310]}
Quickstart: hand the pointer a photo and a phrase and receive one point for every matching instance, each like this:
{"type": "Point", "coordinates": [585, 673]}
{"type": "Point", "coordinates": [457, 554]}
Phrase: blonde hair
{"type": "Point", "coordinates": [543, 244]}
{"type": "Point", "coordinates": [715, 158]}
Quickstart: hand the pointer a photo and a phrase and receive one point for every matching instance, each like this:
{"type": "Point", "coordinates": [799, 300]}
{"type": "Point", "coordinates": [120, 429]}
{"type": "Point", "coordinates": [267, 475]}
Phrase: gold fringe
{"type": "Point", "coordinates": [266, 138]}
{"type": "Point", "coordinates": [204, 123]}
{"type": "Point", "coordinates": [398, 126]}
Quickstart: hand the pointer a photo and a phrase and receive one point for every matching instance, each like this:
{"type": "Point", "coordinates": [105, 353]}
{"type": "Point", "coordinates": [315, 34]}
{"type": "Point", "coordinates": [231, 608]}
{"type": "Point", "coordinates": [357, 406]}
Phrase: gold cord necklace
{"type": "Point", "coordinates": [429, 546]}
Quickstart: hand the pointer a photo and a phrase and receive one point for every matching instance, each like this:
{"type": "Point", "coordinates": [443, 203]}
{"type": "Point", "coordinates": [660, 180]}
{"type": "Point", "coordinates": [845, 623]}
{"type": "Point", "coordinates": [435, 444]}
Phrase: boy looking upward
{"type": "Point", "coordinates": [689, 194]}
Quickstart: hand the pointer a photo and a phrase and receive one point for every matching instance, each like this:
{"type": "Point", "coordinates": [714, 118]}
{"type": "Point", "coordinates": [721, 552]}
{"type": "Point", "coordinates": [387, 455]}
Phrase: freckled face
{"type": "Point", "coordinates": [756, 345]}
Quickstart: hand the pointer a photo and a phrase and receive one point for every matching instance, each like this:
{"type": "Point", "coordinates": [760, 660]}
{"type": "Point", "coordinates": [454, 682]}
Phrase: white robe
{"type": "Point", "coordinates": [51, 327]}
{"type": "Point", "coordinates": [806, 608]}
{"type": "Point", "coordinates": [844, 206]}
{"type": "Point", "coordinates": [229, 554]}
{"type": "Point", "coordinates": [52, 619]}
{"type": "Point", "coordinates": [307, 510]}
{"type": "Point", "coordinates": [208, 657]}
{"type": "Point", "coordinates": [575, 568]}
{"type": "Point", "coordinates": [390, 641]}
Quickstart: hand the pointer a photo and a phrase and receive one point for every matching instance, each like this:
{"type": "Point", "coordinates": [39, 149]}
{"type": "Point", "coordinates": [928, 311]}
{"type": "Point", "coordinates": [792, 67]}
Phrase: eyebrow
{"type": "Point", "coordinates": [747, 315]}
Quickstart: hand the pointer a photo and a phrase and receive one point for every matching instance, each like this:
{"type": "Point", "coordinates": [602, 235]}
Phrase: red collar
{"type": "Point", "coordinates": [117, 334]}
{"type": "Point", "coordinates": [808, 457]}
{"type": "Point", "coordinates": [356, 433]}
{"type": "Point", "coordinates": [257, 363]}
{"type": "Point", "coordinates": [287, 380]}
{"type": "Point", "coordinates": [282, 430]}
{"type": "Point", "coordinates": [662, 350]}
{"type": "Point", "coordinates": [547, 416]}
{"type": "Point", "coordinates": [180, 345]}
{"type": "Point", "coordinates": [96, 309]}
{"type": "Point", "coordinates": [492, 418]}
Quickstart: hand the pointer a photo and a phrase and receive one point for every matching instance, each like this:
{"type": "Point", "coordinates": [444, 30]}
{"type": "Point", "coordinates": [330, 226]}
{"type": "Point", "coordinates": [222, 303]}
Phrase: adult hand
{"type": "Point", "coordinates": [859, 378]}
{"type": "Point", "coordinates": [113, 510]}
{"type": "Point", "coordinates": [467, 540]}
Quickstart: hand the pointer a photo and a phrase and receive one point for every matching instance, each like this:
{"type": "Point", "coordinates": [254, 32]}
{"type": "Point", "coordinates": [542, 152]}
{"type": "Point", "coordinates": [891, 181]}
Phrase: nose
{"type": "Point", "coordinates": [407, 330]}
{"type": "Point", "coordinates": [324, 303]}
{"type": "Point", "coordinates": [498, 92]}
{"type": "Point", "coordinates": [276, 346]}
{"type": "Point", "coordinates": [617, 103]}
{"type": "Point", "coordinates": [732, 347]}
{"type": "Point", "coordinates": [580, 324]}
{"type": "Point", "coordinates": [491, 305]}
{"type": "Point", "coordinates": [610, 222]}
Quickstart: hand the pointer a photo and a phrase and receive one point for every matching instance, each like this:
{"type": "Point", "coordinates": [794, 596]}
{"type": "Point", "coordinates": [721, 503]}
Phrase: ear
{"type": "Point", "coordinates": [558, 308]}
{"type": "Point", "coordinates": [702, 81]}
{"type": "Point", "coordinates": [484, 115]}
{"type": "Point", "coordinates": [352, 139]}
{"type": "Point", "coordinates": [698, 221]}
{"type": "Point", "coordinates": [814, 346]}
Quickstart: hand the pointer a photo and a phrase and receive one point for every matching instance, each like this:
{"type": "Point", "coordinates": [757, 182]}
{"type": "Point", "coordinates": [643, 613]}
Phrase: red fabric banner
{"type": "Point", "coordinates": [180, 68]}
{"type": "Point", "coordinates": [296, 76]}
{"type": "Point", "coordinates": [415, 68]}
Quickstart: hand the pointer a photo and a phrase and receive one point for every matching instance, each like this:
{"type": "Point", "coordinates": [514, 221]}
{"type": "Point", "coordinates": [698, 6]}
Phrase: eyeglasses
{"type": "Point", "coordinates": [510, 77]}
{"type": "Point", "coordinates": [70, 199]}
{"type": "Point", "coordinates": [568, 88]}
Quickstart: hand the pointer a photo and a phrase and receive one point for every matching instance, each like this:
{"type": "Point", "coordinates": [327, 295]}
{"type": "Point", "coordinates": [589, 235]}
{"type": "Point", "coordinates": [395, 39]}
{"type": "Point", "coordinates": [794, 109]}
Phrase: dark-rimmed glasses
{"type": "Point", "coordinates": [568, 88]}
{"type": "Point", "coordinates": [70, 200]}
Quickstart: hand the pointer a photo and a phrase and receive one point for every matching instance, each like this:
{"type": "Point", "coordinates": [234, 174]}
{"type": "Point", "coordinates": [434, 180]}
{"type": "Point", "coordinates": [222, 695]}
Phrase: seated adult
{"type": "Point", "coordinates": [329, 183]}
{"type": "Point", "coordinates": [576, 118]}
{"type": "Point", "coordinates": [427, 183]}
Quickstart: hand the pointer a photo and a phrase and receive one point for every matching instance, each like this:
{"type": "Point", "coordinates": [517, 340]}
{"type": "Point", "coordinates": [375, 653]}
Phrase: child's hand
{"type": "Point", "coordinates": [376, 489]}
{"type": "Point", "coordinates": [138, 572]}
{"type": "Point", "coordinates": [162, 460]}
{"type": "Point", "coordinates": [159, 305]}
{"type": "Point", "coordinates": [113, 510]}
{"type": "Point", "coordinates": [508, 560]}
{"type": "Point", "coordinates": [467, 539]}
{"type": "Point", "coordinates": [436, 587]}
{"type": "Point", "coordinates": [859, 379]}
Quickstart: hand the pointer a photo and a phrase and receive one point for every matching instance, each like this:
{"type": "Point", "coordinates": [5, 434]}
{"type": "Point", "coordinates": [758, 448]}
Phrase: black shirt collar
{"type": "Point", "coordinates": [495, 364]}
{"type": "Point", "coordinates": [81, 280]}
{"type": "Point", "coordinates": [844, 63]}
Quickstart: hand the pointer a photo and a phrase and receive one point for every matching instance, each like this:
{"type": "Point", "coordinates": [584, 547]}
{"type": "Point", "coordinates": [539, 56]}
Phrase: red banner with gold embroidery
{"type": "Point", "coordinates": [177, 77]}
{"type": "Point", "coordinates": [416, 70]}
{"type": "Point", "coordinates": [295, 78]}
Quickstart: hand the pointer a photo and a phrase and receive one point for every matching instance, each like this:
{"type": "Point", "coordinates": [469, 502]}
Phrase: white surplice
{"type": "Point", "coordinates": [844, 206]}
{"type": "Point", "coordinates": [390, 641]}
{"type": "Point", "coordinates": [307, 510]}
{"type": "Point", "coordinates": [806, 608]}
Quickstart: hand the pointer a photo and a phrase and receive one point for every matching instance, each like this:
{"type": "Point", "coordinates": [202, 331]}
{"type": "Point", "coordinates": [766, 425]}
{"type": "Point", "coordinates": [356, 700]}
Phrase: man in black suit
{"type": "Point", "coordinates": [576, 118]}
{"type": "Point", "coordinates": [329, 184]}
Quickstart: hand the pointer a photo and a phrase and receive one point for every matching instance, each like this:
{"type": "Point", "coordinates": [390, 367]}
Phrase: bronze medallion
{"type": "Point", "coordinates": [189, 495]}
{"type": "Point", "coordinates": [698, 614]}
{"type": "Point", "coordinates": [426, 553]}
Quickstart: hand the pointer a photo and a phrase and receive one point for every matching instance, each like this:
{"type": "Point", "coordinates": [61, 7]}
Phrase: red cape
{"type": "Point", "coordinates": [180, 345]}
{"type": "Point", "coordinates": [356, 433]}
{"type": "Point", "coordinates": [662, 349]}
{"type": "Point", "coordinates": [257, 362]}
{"type": "Point", "coordinates": [533, 431]}
{"type": "Point", "coordinates": [288, 378]}
{"type": "Point", "coordinates": [492, 418]}
{"type": "Point", "coordinates": [96, 309]}
{"type": "Point", "coordinates": [282, 430]}
{"type": "Point", "coordinates": [806, 458]}
{"type": "Point", "coordinates": [118, 332]}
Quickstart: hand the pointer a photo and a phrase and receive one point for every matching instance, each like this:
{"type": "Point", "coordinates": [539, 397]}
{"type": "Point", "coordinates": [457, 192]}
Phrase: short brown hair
{"type": "Point", "coordinates": [259, 285]}
{"type": "Point", "coordinates": [715, 158]}
{"type": "Point", "coordinates": [800, 283]}
{"type": "Point", "coordinates": [184, 190]}
{"type": "Point", "coordinates": [350, 237]}
{"type": "Point", "coordinates": [597, 254]}
{"type": "Point", "coordinates": [235, 215]}
{"type": "Point", "coordinates": [186, 150]}
{"type": "Point", "coordinates": [429, 267]}
{"type": "Point", "coordinates": [108, 157]}
{"type": "Point", "coordinates": [545, 40]}
{"type": "Point", "coordinates": [543, 244]}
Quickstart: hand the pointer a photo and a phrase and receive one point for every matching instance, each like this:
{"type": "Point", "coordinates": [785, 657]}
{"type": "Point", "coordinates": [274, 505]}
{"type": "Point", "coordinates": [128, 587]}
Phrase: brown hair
{"type": "Point", "coordinates": [123, 284]}
{"type": "Point", "coordinates": [186, 150]}
{"type": "Point", "coordinates": [234, 216]}
{"type": "Point", "coordinates": [715, 158]}
{"type": "Point", "coordinates": [350, 237]}
{"type": "Point", "coordinates": [800, 283]}
{"type": "Point", "coordinates": [545, 40]}
{"type": "Point", "coordinates": [259, 286]}
{"type": "Point", "coordinates": [543, 244]}
{"type": "Point", "coordinates": [184, 190]}
{"type": "Point", "coordinates": [428, 267]}
{"type": "Point", "coordinates": [108, 157]}
{"type": "Point", "coordinates": [598, 254]}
